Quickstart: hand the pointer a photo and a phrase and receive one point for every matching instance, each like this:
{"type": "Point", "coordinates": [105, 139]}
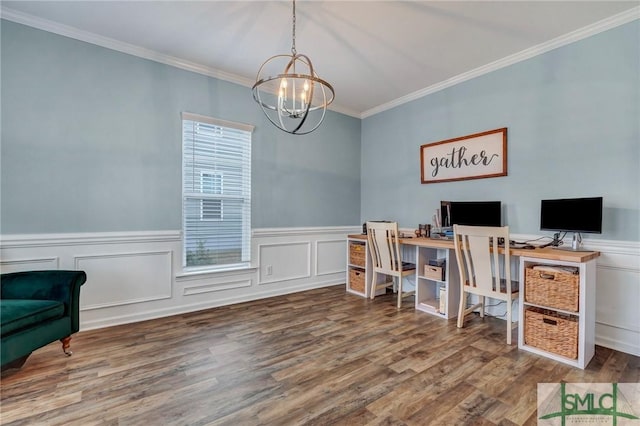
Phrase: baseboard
{"type": "Point", "coordinates": [618, 339]}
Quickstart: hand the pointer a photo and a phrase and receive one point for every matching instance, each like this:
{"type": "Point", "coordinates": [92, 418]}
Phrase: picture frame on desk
{"type": "Point", "coordinates": [477, 156]}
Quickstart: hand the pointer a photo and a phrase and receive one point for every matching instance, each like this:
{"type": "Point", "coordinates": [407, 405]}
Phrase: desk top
{"type": "Point", "coordinates": [540, 253]}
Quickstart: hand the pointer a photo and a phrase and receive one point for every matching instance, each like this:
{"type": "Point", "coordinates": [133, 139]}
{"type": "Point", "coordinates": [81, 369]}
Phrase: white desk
{"type": "Point", "coordinates": [429, 290]}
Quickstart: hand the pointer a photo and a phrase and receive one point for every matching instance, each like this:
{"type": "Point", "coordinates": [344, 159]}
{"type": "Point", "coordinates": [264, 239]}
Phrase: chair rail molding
{"type": "Point", "coordinates": [46, 240]}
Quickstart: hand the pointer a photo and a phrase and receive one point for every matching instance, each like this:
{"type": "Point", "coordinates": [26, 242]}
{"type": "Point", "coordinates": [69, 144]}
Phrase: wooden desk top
{"type": "Point", "coordinates": [540, 253]}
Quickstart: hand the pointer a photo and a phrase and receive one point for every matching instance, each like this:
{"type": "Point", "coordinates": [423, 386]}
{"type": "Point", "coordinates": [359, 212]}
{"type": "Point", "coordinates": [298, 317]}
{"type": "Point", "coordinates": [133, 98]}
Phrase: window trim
{"type": "Point", "coordinates": [246, 227]}
{"type": "Point", "coordinates": [217, 122]}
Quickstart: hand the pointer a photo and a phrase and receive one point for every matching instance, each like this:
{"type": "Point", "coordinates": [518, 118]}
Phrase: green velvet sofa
{"type": "Point", "coordinates": [37, 308]}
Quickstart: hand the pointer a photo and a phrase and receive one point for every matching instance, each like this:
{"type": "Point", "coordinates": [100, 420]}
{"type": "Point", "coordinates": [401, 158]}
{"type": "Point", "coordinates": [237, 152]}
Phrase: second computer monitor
{"type": "Point", "coordinates": [473, 213]}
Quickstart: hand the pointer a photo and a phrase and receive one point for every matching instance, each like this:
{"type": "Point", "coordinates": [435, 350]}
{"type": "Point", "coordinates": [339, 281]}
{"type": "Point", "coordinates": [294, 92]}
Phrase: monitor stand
{"type": "Point", "coordinates": [555, 243]}
{"type": "Point", "coordinates": [576, 244]}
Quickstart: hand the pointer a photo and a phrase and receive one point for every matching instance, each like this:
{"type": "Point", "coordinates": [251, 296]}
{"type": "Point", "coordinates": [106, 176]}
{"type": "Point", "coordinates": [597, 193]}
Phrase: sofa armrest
{"type": "Point", "coordinates": [58, 285]}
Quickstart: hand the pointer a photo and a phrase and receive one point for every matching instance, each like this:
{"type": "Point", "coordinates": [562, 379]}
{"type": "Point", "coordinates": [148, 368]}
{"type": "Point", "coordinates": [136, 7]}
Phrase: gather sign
{"type": "Point", "coordinates": [477, 156]}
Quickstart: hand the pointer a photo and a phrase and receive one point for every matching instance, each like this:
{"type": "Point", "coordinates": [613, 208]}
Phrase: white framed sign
{"type": "Point", "coordinates": [477, 156]}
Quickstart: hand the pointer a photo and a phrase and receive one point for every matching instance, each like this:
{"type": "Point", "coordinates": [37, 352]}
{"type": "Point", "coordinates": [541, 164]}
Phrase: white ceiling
{"type": "Point", "coordinates": [375, 53]}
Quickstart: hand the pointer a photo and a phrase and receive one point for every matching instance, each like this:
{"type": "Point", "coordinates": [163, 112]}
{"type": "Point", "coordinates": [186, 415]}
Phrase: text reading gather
{"type": "Point", "coordinates": [458, 158]}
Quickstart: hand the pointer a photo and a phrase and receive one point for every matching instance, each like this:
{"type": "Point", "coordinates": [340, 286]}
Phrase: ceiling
{"type": "Point", "coordinates": [375, 53]}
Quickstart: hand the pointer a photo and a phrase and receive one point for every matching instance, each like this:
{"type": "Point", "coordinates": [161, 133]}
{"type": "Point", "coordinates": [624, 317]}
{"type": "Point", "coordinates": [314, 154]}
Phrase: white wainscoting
{"type": "Point", "coordinates": [618, 295]}
{"type": "Point", "coordinates": [330, 257]}
{"type": "Point", "coordinates": [33, 264]}
{"type": "Point", "coordinates": [123, 278]}
{"type": "Point", "coordinates": [135, 276]}
{"type": "Point", "coordinates": [284, 261]}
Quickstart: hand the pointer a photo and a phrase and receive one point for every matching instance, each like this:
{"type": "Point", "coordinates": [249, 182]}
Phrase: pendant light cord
{"type": "Point", "coordinates": [293, 45]}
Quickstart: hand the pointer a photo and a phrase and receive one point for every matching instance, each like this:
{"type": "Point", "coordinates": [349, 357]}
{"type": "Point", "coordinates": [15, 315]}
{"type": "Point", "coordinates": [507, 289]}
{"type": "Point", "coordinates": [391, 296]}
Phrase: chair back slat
{"type": "Point", "coordinates": [385, 247]}
{"type": "Point", "coordinates": [478, 259]}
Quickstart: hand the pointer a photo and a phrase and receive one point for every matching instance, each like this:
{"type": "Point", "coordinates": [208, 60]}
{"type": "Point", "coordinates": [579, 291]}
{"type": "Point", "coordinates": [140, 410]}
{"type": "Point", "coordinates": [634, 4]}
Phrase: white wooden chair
{"type": "Point", "coordinates": [387, 258]}
{"type": "Point", "coordinates": [480, 271]}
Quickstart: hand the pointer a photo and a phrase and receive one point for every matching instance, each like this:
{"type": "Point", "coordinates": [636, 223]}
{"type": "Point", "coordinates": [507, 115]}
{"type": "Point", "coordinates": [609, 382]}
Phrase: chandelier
{"type": "Point", "coordinates": [290, 92]}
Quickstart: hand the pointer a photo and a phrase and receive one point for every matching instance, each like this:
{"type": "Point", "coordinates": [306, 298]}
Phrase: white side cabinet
{"type": "Point", "coordinates": [437, 294]}
{"type": "Point", "coordinates": [546, 325]}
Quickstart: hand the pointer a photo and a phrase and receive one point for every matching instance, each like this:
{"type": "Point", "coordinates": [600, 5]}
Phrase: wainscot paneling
{"type": "Point", "coordinates": [330, 257]}
{"type": "Point", "coordinates": [135, 276]}
{"type": "Point", "coordinates": [617, 295]}
{"type": "Point", "coordinates": [119, 279]}
{"type": "Point", "coordinates": [18, 265]}
{"type": "Point", "coordinates": [284, 261]}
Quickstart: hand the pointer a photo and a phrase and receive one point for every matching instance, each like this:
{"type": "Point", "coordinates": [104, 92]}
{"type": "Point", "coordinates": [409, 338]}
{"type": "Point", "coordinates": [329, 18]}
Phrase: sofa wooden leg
{"type": "Point", "coordinates": [66, 344]}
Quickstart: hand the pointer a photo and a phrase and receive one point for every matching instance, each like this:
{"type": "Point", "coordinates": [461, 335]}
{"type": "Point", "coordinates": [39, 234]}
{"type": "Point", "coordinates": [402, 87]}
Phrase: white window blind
{"type": "Point", "coordinates": [216, 191]}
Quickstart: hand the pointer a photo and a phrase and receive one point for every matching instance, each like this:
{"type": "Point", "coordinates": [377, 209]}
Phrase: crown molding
{"type": "Point", "coordinates": [109, 43]}
{"type": "Point", "coordinates": [138, 51]}
{"type": "Point", "coordinates": [579, 34]}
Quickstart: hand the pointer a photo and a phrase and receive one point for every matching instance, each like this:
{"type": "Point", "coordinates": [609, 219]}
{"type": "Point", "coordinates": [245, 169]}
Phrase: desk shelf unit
{"type": "Point", "coordinates": [584, 316]}
{"type": "Point", "coordinates": [434, 296]}
{"type": "Point", "coordinates": [358, 270]}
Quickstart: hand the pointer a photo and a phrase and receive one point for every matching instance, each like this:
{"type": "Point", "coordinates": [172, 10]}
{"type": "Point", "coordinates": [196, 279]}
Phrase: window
{"type": "Point", "coordinates": [216, 192]}
{"type": "Point", "coordinates": [211, 183]}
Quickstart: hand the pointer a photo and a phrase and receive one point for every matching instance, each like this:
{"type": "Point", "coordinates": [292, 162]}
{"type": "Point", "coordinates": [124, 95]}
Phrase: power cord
{"type": "Point", "coordinates": [491, 306]}
{"type": "Point", "coordinates": [557, 240]}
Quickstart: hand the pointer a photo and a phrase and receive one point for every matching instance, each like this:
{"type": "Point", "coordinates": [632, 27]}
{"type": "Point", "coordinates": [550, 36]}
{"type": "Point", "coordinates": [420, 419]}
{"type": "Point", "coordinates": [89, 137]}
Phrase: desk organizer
{"type": "Point", "coordinates": [435, 269]}
{"type": "Point", "coordinates": [434, 272]}
{"type": "Point", "coordinates": [551, 331]}
{"type": "Point", "coordinates": [553, 289]}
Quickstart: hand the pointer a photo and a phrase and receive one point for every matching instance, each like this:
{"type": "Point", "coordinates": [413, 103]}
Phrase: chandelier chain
{"type": "Point", "coordinates": [293, 38]}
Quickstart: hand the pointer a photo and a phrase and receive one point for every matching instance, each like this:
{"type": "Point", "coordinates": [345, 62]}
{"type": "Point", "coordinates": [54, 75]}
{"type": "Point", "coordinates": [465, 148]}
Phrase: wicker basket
{"type": "Point", "coordinates": [551, 331]}
{"type": "Point", "coordinates": [558, 290]}
{"type": "Point", "coordinates": [356, 279]}
{"type": "Point", "coordinates": [357, 253]}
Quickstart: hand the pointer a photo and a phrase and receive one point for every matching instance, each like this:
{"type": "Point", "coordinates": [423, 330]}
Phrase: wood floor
{"type": "Point", "coordinates": [320, 357]}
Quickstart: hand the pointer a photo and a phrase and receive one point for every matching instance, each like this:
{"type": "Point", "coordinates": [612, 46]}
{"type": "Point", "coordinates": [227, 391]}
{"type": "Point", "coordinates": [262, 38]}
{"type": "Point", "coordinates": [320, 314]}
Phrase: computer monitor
{"type": "Point", "coordinates": [472, 213]}
{"type": "Point", "coordinates": [580, 215]}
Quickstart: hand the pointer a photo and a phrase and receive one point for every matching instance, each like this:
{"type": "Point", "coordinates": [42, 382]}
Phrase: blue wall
{"type": "Point", "coordinates": [573, 119]}
{"type": "Point", "coordinates": [91, 142]}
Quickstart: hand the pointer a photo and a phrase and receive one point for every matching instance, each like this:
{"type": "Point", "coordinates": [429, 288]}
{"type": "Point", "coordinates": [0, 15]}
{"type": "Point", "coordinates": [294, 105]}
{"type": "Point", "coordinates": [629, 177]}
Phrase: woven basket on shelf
{"type": "Point", "coordinates": [559, 290]}
{"type": "Point", "coordinates": [356, 279]}
{"type": "Point", "coordinates": [356, 254]}
{"type": "Point", "coordinates": [551, 331]}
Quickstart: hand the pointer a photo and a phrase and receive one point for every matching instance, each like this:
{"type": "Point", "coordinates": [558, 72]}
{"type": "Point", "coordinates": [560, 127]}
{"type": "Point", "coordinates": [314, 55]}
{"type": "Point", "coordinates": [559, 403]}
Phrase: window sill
{"type": "Point", "coordinates": [231, 270]}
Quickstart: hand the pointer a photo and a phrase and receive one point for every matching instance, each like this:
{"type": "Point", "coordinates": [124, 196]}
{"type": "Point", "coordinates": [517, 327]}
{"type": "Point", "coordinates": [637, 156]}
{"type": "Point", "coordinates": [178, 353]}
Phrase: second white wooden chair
{"type": "Point", "coordinates": [480, 270]}
{"type": "Point", "coordinates": [387, 259]}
